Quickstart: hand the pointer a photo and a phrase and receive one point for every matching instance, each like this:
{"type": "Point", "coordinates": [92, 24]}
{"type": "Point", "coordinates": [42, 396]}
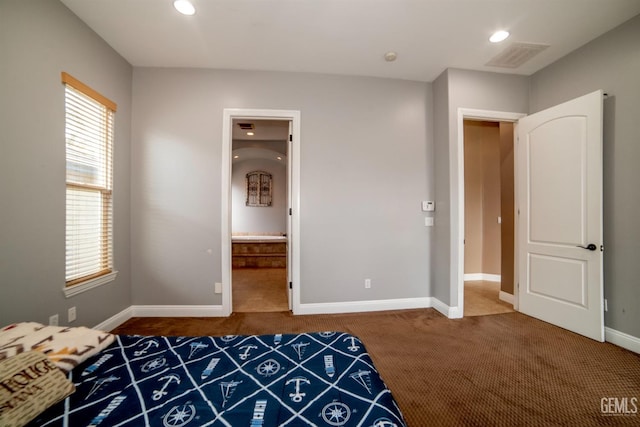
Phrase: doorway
{"type": "Point", "coordinates": [458, 282]}
{"type": "Point", "coordinates": [259, 210]}
{"type": "Point", "coordinates": [292, 119]}
{"type": "Point", "coordinates": [489, 219]}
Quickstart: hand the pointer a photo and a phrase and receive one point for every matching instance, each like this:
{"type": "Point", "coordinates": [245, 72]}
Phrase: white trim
{"type": "Point", "coordinates": [160, 311]}
{"type": "Point", "coordinates": [450, 312]}
{"type": "Point", "coordinates": [235, 113]}
{"type": "Point", "coordinates": [506, 297]}
{"type": "Point", "coordinates": [621, 339]}
{"type": "Point", "coordinates": [89, 284]}
{"type": "Point", "coordinates": [381, 305]}
{"type": "Point", "coordinates": [457, 189]}
{"type": "Point", "coordinates": [115, 320]}
{"type": "Point", "coordinates": [363, 306]}
{"type": "Point", "coordinates": [482, 276]}
{"type": "Point", "coordinates": [178, 311]}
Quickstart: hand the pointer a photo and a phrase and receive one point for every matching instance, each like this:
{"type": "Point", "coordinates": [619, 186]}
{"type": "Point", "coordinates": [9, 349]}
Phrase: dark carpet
{"type": "Point", "coordinates": [505, 369]}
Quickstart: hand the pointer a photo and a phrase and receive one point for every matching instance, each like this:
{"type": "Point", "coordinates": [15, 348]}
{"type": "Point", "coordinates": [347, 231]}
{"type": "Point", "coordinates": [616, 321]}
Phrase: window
{"type": "Point", "coordinates": [89, 123]}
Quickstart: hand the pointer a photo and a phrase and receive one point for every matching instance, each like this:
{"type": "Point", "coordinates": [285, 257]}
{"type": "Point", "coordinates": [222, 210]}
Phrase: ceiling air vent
{"type": "Point", "coordinates": [246, 126]}
{"type": "Point", "coordinates": [516, 55]}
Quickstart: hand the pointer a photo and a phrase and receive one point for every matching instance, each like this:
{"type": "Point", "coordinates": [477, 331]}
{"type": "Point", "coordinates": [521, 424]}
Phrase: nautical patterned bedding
{"type": "Point", "coordinates": [317, 379]}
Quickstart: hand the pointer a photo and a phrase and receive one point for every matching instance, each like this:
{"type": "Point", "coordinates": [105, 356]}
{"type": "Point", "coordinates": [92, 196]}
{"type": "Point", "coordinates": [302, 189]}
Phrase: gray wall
{"type": "Point", "coordinates": [371, 150]}
{"type": "Point", "coordinates": [38, 40]}
{"type": "Point", "coordinates": [441, 258]}
{"type": "Point", "coordinates": [364, 170]}
{"type": "Point", "coordinates": [463, 89]}
{"type": "Point", "coordinates": [263, 219]}
{"type": "Point", "coordinates": [610, 63]}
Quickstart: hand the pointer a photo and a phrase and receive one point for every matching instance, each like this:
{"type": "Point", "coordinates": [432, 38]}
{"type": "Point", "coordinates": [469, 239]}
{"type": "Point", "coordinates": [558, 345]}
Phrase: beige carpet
{"type": "Point", "coordinates": [259, 290]}
{"type": "Point", "coordinates": [506, 369]}
{"type": "Point", "coordinates": [482, 298]}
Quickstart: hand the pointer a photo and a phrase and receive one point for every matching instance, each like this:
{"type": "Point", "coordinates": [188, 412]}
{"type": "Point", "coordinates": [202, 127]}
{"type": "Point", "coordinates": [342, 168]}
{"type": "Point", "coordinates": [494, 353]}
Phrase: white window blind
{"type": "Point", "coordinates": [89, 124]}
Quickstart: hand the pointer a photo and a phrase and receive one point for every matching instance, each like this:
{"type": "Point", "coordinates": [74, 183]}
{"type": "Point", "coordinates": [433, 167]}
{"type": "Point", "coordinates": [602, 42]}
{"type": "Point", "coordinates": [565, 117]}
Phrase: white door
{"type": "Point", "coordinates": [560, 215]}
{"type": "Point", "coordinates": [289, 205]}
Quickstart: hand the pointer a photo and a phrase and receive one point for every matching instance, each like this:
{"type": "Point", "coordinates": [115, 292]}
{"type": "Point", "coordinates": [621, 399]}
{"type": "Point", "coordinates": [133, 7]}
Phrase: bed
{"type": "Point", "coordinates": [321, 379]}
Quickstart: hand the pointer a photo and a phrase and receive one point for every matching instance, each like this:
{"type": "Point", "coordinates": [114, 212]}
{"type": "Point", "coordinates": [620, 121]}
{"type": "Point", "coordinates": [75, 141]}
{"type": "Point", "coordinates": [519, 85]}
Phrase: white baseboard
{"type": "Point", "coordinates": [381, 305]}
{"type": "Point", "coordinates": [621, 339]}
{"type": "Point", "coordinates": [314, 308]}
{"type": "Point", "coordinates": [115, 320]}
{"type": "Point", "coordinates": [160, 311]}
{"type": "Point", "coordinates": [482, 276]}
{"type": "Point", "coordinates": [508, 298]}
{"type": "Point", "coordinates": [362, 306]}
{"type": "Point", "coordinates": [450, 312]}
{"type": "Point", "coordinates": [177, 311]}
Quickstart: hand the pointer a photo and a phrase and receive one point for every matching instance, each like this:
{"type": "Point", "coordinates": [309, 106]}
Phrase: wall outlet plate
{"type": "Point", "coordinates": [71, 314]}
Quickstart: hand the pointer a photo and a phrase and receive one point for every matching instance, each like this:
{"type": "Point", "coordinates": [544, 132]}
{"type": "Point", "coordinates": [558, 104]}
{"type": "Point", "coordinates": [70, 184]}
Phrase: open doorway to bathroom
{"type": "Point", "coordinates": [259, 214]}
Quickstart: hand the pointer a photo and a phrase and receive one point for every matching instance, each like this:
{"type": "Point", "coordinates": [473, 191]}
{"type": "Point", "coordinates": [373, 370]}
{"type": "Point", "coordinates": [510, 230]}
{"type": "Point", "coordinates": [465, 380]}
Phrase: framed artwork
{"type": "Point", "coordinates": [259, 185]}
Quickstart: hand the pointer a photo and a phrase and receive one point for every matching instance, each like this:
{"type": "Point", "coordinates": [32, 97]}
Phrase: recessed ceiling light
{"type": "Point", "coordinates": [499, 36]}
{"type": "Point", "coordinates": [236, 157]}
{"type": "Point", "coordinates": [390, 56]}
{"type": "Point", "coordinates": [184, 7]}
{"type": "Point", "coordinates": [249, 133]}
{"type": "Point", "coordinates": [279, 158]}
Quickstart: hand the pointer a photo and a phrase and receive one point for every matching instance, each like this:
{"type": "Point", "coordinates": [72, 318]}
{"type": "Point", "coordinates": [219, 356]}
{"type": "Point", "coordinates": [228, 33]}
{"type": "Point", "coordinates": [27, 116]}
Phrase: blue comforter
{"type": "Point", "coordinates": [310, 379]}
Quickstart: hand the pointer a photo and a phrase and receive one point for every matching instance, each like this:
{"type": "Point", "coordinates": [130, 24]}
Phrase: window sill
{"type": "Point", "coordinates": [89, 284]}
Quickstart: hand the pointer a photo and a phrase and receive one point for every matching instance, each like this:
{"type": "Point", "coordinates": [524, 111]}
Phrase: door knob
{"type": "Point", "coordinates": [590, 247]}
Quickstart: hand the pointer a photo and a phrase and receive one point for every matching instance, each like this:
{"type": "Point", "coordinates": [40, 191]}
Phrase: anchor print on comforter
{"type": "Point", "coordinates": [310, 379]}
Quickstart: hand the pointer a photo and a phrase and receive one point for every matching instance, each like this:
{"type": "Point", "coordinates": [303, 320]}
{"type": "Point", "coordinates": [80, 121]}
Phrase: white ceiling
{"type": "Point", "coordinates": [263, 130]}
{"type": "Point", "coordinates": [269, 140]}
{"type": "Point", "coordinates": [347, 37]}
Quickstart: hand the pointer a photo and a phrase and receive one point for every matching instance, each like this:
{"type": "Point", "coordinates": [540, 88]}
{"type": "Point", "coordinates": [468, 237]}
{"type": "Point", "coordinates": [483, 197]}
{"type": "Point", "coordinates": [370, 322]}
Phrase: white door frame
{"type": "Point", "coordinates": [457, 236]}
{"type": "Point", "coordinates": [229, 114]}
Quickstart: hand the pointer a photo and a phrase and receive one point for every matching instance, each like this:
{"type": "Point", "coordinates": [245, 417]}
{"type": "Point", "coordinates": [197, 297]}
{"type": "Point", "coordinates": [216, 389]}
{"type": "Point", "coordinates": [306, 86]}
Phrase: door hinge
{"type": "Point", "coordinates": [290, 285]}
{"type": "Point", "coordinates": [290, 211]}
{"type": "Point", "coordinates": [290, 138]}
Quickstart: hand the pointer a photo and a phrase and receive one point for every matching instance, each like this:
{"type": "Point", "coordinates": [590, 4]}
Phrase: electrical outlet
{"type": "Point", "coordinates": [71, 314]}
{"type": "Point", "coordinates": [217, 288]}
{"type": "Point", "coordinates": [367, 283]}
{"type": "Point", "coordinates": [53, 320]}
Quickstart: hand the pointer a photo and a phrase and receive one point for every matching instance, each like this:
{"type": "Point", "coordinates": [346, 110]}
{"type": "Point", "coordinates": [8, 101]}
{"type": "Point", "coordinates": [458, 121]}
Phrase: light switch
{"type": "Point", "coordinates": [428, 221]}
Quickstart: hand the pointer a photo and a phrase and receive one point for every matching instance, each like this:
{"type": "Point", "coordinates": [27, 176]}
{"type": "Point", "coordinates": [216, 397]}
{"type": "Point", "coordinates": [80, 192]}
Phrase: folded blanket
{"type": "Point", "coordinates": [66, 347]}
